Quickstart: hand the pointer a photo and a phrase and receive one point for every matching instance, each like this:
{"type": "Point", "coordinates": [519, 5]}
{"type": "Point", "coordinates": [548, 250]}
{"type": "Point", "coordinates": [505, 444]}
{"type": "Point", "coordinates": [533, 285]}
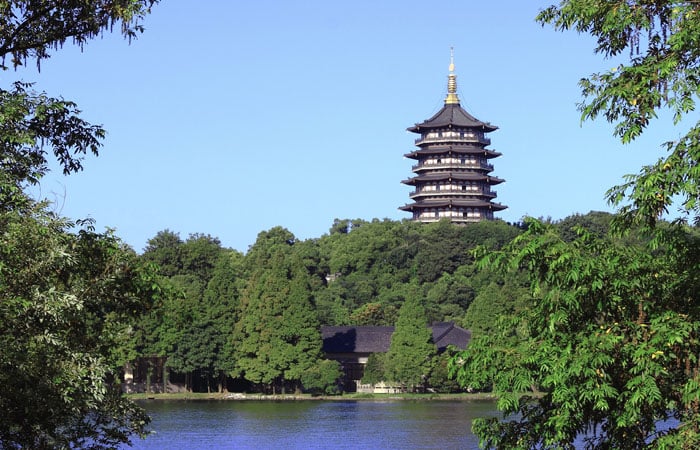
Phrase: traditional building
{"type": "Point", "coordinates": [352, 345]}
{"type": "Point", "coordinates": [452, 178]}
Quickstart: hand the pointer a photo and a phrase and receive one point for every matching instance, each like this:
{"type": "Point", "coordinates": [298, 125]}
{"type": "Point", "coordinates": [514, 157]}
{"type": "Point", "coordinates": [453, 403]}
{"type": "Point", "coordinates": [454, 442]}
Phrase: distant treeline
{"type": "Point", "coordinates": [227, 315]}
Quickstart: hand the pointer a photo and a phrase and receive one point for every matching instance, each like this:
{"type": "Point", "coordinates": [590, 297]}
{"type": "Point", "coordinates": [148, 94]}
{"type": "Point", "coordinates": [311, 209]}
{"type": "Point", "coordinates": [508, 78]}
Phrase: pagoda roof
{"type": "Point", "coordinates": [452, 115]}
{"type": "Point", "coordinates": [441, 149]}
{"type": "Point", "coordinates": [460, 176]}
{"type": "Point", "coordinates": [450, 202]}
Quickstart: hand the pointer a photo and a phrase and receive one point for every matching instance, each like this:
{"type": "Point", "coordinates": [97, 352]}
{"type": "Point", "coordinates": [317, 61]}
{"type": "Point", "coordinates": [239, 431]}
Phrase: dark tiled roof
{"type": "Point", "coordinates": [463, 202]}
{"type": "Point", "coordinates": [361, 339]}
{"type": "Point", "coordinates": [447, 333]}
{"type": "Point", "coordinates": [458, 149]}
{"type": "Point", "coordinates": [454, 175]}
{"type": "Point", "coordinates": [454, 115]}
{"type": "Point", "coordinates": [371, 339]}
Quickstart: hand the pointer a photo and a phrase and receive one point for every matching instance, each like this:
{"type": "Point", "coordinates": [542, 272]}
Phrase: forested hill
{"type": "Point", "coordinates": [359, 273]}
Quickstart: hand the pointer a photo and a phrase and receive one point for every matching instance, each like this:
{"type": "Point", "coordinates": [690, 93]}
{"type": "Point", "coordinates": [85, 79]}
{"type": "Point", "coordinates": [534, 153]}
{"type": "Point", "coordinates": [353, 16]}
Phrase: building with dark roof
{"type": "Point", "coordinates": [352, 345]}
{"type": "Point", "coordinates": [452, 175]}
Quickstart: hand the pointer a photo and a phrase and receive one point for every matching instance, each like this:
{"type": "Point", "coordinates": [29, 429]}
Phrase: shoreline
{"type": "Point", "coordinates": [237, 396]}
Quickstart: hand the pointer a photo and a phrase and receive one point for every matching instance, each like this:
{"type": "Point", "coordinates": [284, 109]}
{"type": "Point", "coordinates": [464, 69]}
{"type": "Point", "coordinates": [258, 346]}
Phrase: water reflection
{"type": "Point", "coordinates": [313, 424]}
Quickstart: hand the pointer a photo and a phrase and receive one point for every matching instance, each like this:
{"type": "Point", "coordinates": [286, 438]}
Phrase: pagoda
{"type": "Point", "coordinates": [452, 175]}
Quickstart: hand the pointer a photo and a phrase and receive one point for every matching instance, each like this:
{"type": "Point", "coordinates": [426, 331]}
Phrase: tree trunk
{"type": "Point", "coordinates": [165, 377]}
{"type": "Point", "coordinates": [149, 367]}
{"type": "Point", "coordinates": [223, 388]}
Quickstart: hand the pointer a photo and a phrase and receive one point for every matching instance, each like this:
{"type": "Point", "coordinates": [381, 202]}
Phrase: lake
{"type": "Point", "coordinates": [313, 424]}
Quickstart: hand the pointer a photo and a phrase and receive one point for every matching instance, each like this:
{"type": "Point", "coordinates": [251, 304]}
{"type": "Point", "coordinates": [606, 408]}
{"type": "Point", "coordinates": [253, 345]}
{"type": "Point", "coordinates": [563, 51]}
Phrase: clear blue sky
{"type": "Point", "coordinates": [230, 118]}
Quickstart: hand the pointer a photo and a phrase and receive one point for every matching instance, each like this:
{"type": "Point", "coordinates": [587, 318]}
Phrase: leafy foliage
{"type": "Point", "coordinates": [278, 334]}
{"type": "Point", "coordinates": [68, 300]}
{"type": "Point", "coordinates": [612, 333]}
{"type": "Point", "coordinates": [66, 305]}
{"type": "Point", "coordinates": [30, 123]}
{"type": "Point", "coordinates": [362, 273]}
{"type": "Point", "coordinates": [31, 29]}
{"type": "Point", "coordinates": [612, 341]}
{"type": "Point", "coordinates": [375, 369]}
{"type": "Point", "coordinates": [662, 74]}
{"type": "Point", "coordinates": [410, 354]}
{"type": "Point", "coordinates": [192, 325]}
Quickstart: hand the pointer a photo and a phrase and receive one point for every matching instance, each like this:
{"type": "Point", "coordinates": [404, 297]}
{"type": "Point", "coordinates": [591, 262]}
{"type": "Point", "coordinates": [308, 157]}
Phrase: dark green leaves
{"type": "Point", "coordinates": [611, 341]}
{"type": "Point", "coordinates": [662, 74]}
{"type": "Point", "coordinates": [30, 29]}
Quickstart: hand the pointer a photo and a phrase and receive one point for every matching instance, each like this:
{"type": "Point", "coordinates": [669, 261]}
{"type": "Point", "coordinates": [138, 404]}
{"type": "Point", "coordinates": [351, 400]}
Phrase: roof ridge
{"type": "Point", "coordinates": [450, 327]}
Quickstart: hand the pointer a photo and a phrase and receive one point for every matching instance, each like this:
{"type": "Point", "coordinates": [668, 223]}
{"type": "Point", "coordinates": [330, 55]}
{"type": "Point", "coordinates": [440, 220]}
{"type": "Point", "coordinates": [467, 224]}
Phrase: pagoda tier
{"type": "Point", "coordinates": [452, 178]}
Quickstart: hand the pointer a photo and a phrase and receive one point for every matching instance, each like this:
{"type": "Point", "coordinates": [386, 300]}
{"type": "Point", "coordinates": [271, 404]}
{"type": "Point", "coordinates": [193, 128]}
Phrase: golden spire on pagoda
{"type": "Point", "coordinates": [452, 98]}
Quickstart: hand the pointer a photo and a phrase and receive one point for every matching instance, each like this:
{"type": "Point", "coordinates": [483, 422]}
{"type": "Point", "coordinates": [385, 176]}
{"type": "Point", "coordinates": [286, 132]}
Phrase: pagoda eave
{"type": "Point", "coordinates": [459, 150]}
{"type": "Point", "coordinates": [457, 176]}
{"type": "Point", "coordinates": [459, 203]}
{"type": "Point", "coordinates": [452, 115]}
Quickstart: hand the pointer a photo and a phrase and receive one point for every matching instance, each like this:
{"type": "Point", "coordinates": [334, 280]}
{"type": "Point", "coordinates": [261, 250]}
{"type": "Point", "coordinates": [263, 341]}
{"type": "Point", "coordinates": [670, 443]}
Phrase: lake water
{"type": "Point", "coordinates": [313, 424]}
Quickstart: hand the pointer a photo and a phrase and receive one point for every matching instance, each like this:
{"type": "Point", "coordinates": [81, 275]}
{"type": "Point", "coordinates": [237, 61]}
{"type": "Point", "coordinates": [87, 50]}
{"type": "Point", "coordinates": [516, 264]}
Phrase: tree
{"type": "Point", "coordinates": [613, 331]}
{"type": "Point", "coordinates": [375, 371]}
{"type": "Point", "coordinates": [222, 297]}
{"type": "Point", "coordinates": [376, 314]}
{"type": "Point", "coordinates": [611, 340]}
{"type": "Point", "coordinates": [187, 327]}
{"type": "Point", "coordinates": [33, 122]}
{"type": "Point", "coordinates": [68, 300]}
{"type": "Point", "coordinates": [30, 121]}
{"type": "Point", "coordinates": [501, 298]}
{"type": "Point", "coordinates": [32, 29]}
{"type": "Point", "coordinates": [410, 354]}
{"type": "Point", "coordinates": [165, 250]}
{"type": "Point", "coordinates": [67, 305]}
{"type": "Point", "coordinates": [439, 379]}
{"type": "Point", "coordinates": [662, 74]}
{"type": "Point", "coordinates": [278, 333]}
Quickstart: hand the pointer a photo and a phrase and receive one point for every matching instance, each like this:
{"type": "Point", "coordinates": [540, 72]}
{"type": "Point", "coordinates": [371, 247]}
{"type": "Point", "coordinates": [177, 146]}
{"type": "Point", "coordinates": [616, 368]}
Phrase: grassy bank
{"type": "Point", "coordinates": [291, 397]}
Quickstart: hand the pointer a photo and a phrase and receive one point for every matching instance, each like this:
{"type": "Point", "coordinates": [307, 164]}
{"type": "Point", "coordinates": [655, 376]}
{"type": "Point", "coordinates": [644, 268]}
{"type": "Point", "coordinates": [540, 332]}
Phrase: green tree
{"type": "Point", "coordinates": [410, 354]}
{"type": "Point", "coordinates": [165, 250]}
{"type": "Point", "coordinates": [375, 369]}
{"type": "Point", "coordinates": [222, 297]}
{"type": "Point", "coordinates": [34, 124]}
{"type": "Point", "coordinates": [187, 328]}
{"type": "Point", "coordinates": [612, 341]}
{"type": "Point", "coordinates": [278, 334]}
{"type": "Point", "coordinates": [441, 250]}
{"type": "Point", "coordinates": [503, 297]}
{"type": "Point", "coordinates": [31, 122]}
{"type": "Point", "coordinates": [67, 303]}
{"type": "Point", "coordinates": [613, 331]}
{"type": "Point", "coordinates": [200, 253]}
{"type": "Point", "coordinates": [373, 314]}
{"type": "Point", "coordinates": [439, 379]}
{"type": "Point", "coordinates": [662, 74]}
{"type": "Point", "coordinates": [67, 300]}
{"type": "Point", "coordinates": [322, 377]}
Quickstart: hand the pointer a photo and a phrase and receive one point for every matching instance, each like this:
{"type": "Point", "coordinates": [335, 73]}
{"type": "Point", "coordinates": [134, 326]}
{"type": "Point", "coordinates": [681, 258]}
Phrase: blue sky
{"type": "Point", "coordinates": [230, 118]}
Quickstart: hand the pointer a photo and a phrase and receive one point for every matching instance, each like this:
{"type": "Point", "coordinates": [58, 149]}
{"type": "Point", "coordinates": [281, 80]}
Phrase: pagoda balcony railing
{"type": "Point", "coordinates": [452, 165]}
{"type": "Point", "coordinates": [467, 137]}
{"type": "Point", "coordinates": [433, 193]}
{"type": "Point", "coordinates": [454, 219]}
